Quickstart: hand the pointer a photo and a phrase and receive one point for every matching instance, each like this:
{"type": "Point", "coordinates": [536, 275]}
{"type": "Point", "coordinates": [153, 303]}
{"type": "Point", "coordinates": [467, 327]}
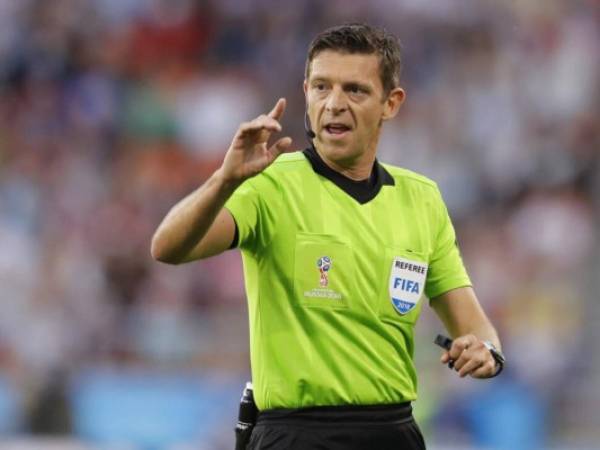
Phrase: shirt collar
{"type": "Point", "coordinates": [362, 191]}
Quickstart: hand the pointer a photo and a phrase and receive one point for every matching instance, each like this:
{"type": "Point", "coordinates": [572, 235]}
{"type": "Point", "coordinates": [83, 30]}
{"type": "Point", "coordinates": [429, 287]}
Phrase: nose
{"type": "Point", "coordinates": [336, 102]}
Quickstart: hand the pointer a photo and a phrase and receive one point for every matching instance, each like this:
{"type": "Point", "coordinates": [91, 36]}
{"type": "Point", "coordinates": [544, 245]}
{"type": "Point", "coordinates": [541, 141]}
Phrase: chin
{"type": "Point", "coordinates": [339, 151]}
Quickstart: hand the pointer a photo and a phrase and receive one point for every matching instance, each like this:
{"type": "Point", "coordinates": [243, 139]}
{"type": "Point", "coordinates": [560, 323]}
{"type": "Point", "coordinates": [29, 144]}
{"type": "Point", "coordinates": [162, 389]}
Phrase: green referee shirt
{"type": "Point", "coordinates": [335, 274]}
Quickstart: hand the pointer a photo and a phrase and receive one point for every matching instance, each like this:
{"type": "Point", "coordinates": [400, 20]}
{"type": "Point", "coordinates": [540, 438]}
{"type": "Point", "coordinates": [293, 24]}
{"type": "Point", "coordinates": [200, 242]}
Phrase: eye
{"type": "Point", "coordinates": [356, 89]}
{"type": "Point", "coordinates": [320, 86]}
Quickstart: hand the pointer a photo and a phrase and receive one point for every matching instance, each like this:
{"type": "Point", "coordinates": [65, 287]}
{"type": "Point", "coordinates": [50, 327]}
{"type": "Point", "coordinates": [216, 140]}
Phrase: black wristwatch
{"type": "Point", "coordinates": [498, 357]}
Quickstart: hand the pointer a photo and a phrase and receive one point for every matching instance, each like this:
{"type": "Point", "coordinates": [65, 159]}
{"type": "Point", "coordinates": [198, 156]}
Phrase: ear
{"type": "Point", "coordinates": [305, 87]}
{"type": "Point", "coordinates": [392, 103]}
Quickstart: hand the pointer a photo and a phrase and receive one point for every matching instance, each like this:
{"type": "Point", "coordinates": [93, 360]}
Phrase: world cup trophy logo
{"type": "Point", "coordinates": [324, 265]}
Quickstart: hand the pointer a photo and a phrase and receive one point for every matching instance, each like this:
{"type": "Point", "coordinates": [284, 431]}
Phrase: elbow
{"type": "Point", "coordinates": [159, 252]}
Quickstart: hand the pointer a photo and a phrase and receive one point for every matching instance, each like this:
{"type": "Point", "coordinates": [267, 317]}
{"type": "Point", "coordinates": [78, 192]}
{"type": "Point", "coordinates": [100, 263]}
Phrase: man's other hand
{"type": "Point", "coordinates": [470, 357]}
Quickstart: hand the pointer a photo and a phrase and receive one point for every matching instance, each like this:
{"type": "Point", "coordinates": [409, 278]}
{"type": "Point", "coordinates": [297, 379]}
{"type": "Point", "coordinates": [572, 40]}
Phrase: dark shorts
{"type": "Point", "coordinates": [389, 427]}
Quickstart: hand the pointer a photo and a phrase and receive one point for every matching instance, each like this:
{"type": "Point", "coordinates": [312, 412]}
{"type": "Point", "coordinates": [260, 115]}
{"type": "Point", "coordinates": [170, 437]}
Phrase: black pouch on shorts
{"type": "Point", "coordinates": [246, 418]}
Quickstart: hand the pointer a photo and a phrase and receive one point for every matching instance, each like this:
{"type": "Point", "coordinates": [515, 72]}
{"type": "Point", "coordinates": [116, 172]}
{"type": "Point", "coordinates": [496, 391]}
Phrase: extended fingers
{"type": "Point", "coordinates": [262, 122]}
{"type": "Point", "coordinates": [261, 128]}
{"type": "Point", "coordinates": [278, 109]}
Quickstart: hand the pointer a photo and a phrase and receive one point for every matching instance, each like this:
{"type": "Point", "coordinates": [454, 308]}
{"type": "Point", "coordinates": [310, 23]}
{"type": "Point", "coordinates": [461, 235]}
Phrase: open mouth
{"type": "Point", "coordinates": [337, 129]}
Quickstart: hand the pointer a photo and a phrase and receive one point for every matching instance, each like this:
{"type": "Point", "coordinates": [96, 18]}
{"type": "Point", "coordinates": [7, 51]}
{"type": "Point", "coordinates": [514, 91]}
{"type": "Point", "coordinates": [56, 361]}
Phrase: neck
{"type": "Point", "coordinates": [357, 169]}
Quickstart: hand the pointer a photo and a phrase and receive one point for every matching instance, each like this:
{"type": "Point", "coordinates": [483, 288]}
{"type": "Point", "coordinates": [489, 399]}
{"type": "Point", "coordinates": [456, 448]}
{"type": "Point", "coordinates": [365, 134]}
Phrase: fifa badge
{"type": "Point", "coordinates": [407, 283]}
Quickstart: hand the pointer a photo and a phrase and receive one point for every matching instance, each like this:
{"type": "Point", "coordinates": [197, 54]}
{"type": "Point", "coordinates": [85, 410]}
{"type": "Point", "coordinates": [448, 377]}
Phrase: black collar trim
{"type": "Point", "coordinates": [362, 191]}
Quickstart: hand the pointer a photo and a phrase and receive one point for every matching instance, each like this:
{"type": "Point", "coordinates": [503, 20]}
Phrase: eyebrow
{"type": "Point", "coordinates": [349, 83]}
{"type": "Point", "coordinates": [364, 86]}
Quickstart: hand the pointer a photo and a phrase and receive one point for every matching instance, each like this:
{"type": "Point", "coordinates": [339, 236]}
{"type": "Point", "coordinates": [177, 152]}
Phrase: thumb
{"type": "Point", "coordinates": [445, 357]}
{"type": "Point", "coordinates": [281, 146]}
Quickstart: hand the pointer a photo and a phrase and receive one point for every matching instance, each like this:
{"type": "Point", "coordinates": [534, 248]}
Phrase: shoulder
{"type": "Point", "coordinates": [289, 166]}
{"type": "Point", "coordinates": [289, 161]}
{"type": "Point", "coordinates": [416, 187]}
{"type": "Point", "coordinates": [284, 167]}
{"type": "Point", "coordinates": [405, 178]}
{"type": "Point", "coordinates": [420, 190]}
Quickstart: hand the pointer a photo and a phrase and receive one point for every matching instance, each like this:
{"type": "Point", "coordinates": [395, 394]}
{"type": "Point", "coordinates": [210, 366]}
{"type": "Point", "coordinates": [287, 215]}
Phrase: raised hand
{"type": "Point", "coordinates": [249, 153]}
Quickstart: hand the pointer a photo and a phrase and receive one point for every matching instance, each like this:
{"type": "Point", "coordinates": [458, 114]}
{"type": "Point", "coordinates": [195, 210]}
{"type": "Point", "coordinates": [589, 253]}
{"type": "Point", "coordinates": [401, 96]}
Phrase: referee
{"type": "Point", "coordinates": [339, 251]}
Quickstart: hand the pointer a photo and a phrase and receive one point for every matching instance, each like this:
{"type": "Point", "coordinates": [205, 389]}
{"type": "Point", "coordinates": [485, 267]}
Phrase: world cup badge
{"type": "Point", "coordinates": [324, 266]}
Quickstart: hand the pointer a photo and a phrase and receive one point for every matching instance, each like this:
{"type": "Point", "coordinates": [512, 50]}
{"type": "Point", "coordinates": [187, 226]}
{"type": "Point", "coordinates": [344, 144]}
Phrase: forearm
{"type": "Point", "coordinates": [190, 231]}
{"type": "Point", "coordinates": [189, 220]}
{"type": "Point", "coordinates": [469, 327]}
{"type": "Point", "coordinates": [462, 314]}
{"type": "Point", "coordinates": [478, 326]}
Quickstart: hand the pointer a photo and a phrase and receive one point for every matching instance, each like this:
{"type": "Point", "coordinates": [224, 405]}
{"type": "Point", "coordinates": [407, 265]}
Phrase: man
{"type": "Point", "coordinates": [338, 250]}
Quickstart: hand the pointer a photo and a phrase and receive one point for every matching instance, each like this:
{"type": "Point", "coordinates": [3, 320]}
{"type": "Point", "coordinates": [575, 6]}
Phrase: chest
{"type": "Point", "coordinates": [343, 253]}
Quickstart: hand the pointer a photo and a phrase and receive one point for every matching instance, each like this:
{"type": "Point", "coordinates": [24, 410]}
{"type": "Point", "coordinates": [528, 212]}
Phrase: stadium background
{"type": "Point", "coordinates": [111, 110]}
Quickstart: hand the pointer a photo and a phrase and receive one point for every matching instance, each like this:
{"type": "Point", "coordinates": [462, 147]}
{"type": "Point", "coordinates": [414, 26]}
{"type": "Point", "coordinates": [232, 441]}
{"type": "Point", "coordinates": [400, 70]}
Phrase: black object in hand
{"type": "Point", "coordinates": [444, 342]}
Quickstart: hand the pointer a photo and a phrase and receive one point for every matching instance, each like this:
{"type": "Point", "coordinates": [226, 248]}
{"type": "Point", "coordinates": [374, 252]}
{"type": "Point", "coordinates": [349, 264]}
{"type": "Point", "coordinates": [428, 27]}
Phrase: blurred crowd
{"type": "Point", "coordinates": [112, 110]}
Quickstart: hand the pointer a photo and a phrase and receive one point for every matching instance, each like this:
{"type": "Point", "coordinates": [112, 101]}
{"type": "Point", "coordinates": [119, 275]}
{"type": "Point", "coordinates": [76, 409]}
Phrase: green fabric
{"type": "Point", "coordinates": [343, 342]}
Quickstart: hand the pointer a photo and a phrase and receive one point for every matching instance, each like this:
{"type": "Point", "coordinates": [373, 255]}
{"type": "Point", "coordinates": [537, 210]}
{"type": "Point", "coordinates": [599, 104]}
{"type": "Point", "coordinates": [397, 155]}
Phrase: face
{"type": "Point", "coordinates": [346, 105]}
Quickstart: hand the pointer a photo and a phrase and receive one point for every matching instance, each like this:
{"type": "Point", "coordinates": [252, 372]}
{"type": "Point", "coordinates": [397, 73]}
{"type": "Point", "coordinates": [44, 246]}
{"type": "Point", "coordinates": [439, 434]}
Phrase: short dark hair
{"type": "Point", "coordinates": [361, 38]}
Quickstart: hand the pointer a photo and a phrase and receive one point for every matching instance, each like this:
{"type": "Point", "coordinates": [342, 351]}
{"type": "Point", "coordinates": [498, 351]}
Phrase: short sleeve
{"type": "Point", "coordinates": [446, 268]}
{"type": "Point", "coordinates": [252, 206]}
